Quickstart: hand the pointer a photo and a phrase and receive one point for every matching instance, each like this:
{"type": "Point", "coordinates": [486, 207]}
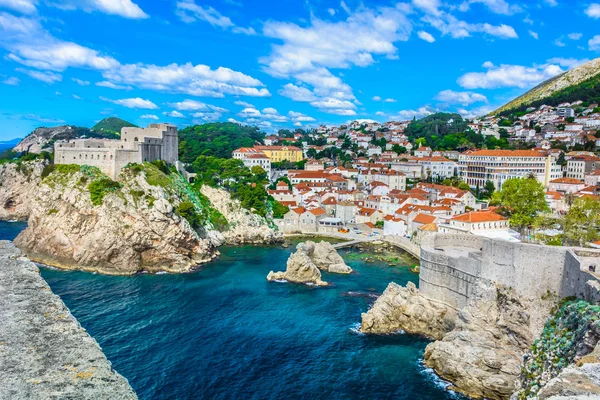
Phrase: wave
{"type": "Point", "coordinates": [369, 295]}
{"type": "Point", "coordinates": [355, 328]}
{"type": "Point", "coordinates": [431, 376]}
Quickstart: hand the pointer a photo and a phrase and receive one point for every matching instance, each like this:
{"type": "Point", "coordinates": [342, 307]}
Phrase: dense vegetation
{"type": "Point", "coordinates": [111, 125]}
{"type": "Point", "coordinates": [246, 185]}
{"type": "Point", "coordinates": [521, 200]}
{"type": "Point", "coordinates": [587, 91]}
{"type": "Point", "coordinates": [573, 323]}
{"type": "Point", "coordinates": [9, 156]}
{"type": "Point", "coordinates": [217, 139]}
{"type": "Point", "coordinates": [578, 227]}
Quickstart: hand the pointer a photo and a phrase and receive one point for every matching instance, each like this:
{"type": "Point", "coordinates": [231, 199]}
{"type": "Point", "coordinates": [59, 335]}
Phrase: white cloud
{"type": "Point", "coordinates": [123, 8]}
{"type": "Point", "coordinates": [309, 53]}
{"type": "Point", "coordinates": [500, 6]}
{"type": "Point", "coordinates": [376, 98]}
{"type": "Point", "coordinates": [150, 116]}
{"type": "Point", "coordinates": [174, 114]}
{"type": "Point", "coordinates": [135, 102]}
{"type": "Point", "coordinates": [188, 11]}
{"type": "Point", "coordinates": [534, 34]}
{"type": "Point", "coordinates": [389, 100]}
{"type": "Point", "coordinates": [418, 113]}
{"type": "Point", "coordinates": [575, 36]}
{"type": "Point", "coordinates": [380, 113]}
{"type": "Point", "coordinates": [111, 85]}
{"type": "Point", "coordinates": [29, 44]}
{"type": "Point", "coordinates": [76, 97]}
{"type": "Point", "coordinates": [243, 104]}
{"type": "Point", "coordinates": [194, 105]}
{"type": "Point", "coordinates": [462, 98]}
{"type": "Point", "coordinates": [12, 81]}
{"type": "Point", "coordinates": [22, 6]}
{"type": "Point", "coordinates": [559, 42]}
{"type": "Point", "coordinates": [593, 11]}
{"type": "Point", "coordinates": [509, 76]}
{"type": "Point", "coordinates": [44, 76]}
{"type": "Point", "coordinates": [297, 93]}
{"type": "Point", "coordinates": [299, 117]}
{"type": "Point", "coordinates": [551, 3]}
{"type": "Point", "coordinates": [35, 117]}
{"type": "Point", "coordinates": [528, 20]}
{"type": "Point", "coordinates": [331, 11]}
{"type": "Point", "coordinates": [594, 43]}
{"type": "Point", "coordinates": [426, 36]}
{"type": "Point", "coordinates": [567, 62]}
{"type": "Point", "coordinates": [476, 112]}
{"type": "Point", "coordinates": [80, 82]}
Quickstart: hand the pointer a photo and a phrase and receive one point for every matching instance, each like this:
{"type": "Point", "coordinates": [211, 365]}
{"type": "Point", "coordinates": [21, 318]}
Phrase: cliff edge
{"type": "Point", "coordinates": [44, 352]}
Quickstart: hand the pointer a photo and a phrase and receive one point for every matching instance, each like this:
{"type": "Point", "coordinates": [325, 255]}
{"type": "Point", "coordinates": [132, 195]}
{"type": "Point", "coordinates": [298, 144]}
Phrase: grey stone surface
{"type": "Point", "coordinates": [44, 351]}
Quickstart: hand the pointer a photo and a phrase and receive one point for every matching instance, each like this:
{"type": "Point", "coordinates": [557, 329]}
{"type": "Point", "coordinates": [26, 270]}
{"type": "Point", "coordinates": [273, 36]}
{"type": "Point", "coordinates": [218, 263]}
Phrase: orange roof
{"type": "Point", "coordinates": [567, 180]}
{"type": "Point", "coordinates": [479, 216]}
{"type": "Point", "coordinates": [318, 211]}
{"type": "Point", "coordinates": [299, 210]}
{"type": "Point", "coordinates": [429, 227]}
{"type": "Point", "coordinates": [366, 211]}
{"type": "Point", "coordinates": [424, 219]}
{"type": "Point", "coordinates": [329, 201]}
{"type": "Point", "coordinates": [370, 225]}
{"type": "Point", "coordinates": [289, 148]}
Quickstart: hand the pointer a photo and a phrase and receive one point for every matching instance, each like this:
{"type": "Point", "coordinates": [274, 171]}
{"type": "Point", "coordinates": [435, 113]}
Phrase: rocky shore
{"type": "Point", "coordinates": [150, 220]}
{"type": "Point", "coordinates": [44, 352]}
{"type": "Point", "coordinates": [305, 263]}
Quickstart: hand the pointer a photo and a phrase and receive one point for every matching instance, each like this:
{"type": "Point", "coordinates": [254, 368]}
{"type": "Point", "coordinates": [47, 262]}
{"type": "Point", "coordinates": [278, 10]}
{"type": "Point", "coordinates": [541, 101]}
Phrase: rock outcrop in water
{"type": "Point", "coordinates": [149, 220]}
{"type": "Point", "coordinates": [300, 269]}
{"type": "Point", "coordinates": [404, 308]}
{"type": "Point", "coordinates": [44, 352]}
{"type": "Point", "coordinates": [478, 348]}
{"type": "Point", "coordinates": [325, 257]}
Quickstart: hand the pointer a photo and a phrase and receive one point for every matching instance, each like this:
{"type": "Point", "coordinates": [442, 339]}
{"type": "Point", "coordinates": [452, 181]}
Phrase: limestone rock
{"type": "Point", "coordinates": [325, 257]}
{"type": "Point", "coordinates": [44, 352]}
{"type": "Point", "coordinates": [406, 309]}
{"type": "Point", "coordinates": [244, 226]}
{"type": "Point", "coordinates": [18, 186]}
{"type": "Point", "coordinates": [134, 229]}
{"type": "Point", "coordinates": [300, 269]}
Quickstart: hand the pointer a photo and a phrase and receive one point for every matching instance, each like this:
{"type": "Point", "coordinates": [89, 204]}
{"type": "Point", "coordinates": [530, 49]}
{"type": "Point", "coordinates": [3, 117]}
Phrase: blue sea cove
{"type": "Point", "coordinates": [224, 332]}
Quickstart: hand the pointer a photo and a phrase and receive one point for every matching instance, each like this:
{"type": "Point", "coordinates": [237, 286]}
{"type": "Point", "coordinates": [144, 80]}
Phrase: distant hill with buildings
{"type": "Point", "coordinates": [580, 83]}
{"type": "Point", "coordinates": [42, 138]}
{"type": "Point", "coordinates": [112, 125]}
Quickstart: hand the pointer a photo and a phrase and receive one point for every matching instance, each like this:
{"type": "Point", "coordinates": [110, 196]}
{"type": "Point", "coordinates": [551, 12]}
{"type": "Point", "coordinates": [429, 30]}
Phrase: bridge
{"type": "Point", "coordinates": [354, 242]}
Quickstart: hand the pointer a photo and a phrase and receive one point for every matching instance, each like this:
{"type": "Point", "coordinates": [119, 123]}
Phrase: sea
{"type": "Point", "coordinates": [225, 332]}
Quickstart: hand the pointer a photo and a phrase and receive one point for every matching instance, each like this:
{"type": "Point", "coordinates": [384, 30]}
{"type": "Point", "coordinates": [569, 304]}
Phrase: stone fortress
{"type": "Point", "coordinates": [137, 145]}
{"type": "Point", "coordinates": [452, 265]}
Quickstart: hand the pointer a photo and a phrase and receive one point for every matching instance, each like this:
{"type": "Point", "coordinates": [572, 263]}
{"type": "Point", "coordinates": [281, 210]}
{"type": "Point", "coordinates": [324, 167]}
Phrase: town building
{"type": "Point", "coordinates": [136, 145]}
{"type": "Point", "coordinates": [482, 223]}
{"type": "Point", "coordinates": [477, 167]}
{"type": "Point", "coordinates": [252, 157]}
{"type": "Point", "coordinates": [281, 153]}
{"type": "Point", "coordinates": [581, 165]}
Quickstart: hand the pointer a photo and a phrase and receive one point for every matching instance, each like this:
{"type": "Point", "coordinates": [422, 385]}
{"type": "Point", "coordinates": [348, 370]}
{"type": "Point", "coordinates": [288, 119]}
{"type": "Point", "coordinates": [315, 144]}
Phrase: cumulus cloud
{"type": "Point", "coordinates": [575, 36]}
{"type": "Point", "coordinates": [80, 82]}
{"type": "Point", "coordinates": [30, 45]}
{"type": "Point", "coordinates": [243, 104]}
{"type": "Point", "coordinates": [22, 6]}
{"type": "Point", "coordinates": [593, 11]}
{"type": "Point", "coordinates": [568, 62]}
{"type": "Point", "coordinates": [297, 93]}
{"type": "Point", "coordinates": [299, 117]}
{"type": "Point", "coordinates": [123, 8]}
{"type": "Point", "coordinates": [150, 116]}
{"type": "Point", "coordinates": [44, 76]}
{"type": "Point", "coordinates": [462, 98]}
{"type": "Point", "coordinates": [174, 114]}
{"type": "Point", "coordinates": [267, 114]}
{"type": "Point", "coordinates": [376, 98]}
{"type": "Point", "coordinates": [475, 112]}
{"type": "Point", "coordinates": [594, 43]}
{"type": "Point", "coordinates": [509, 76]}
{"type": "Point", "coordinates": [534, 34]}
{"type": "Point", "coordinates": [135, 102]}
{"type": "Point", "coordinates": [188, 11]}
{"type": "Point", "coordinates": [418, 113]}
{"type": "Point", "coordinates": [426, 36]}
{"type": "Point", "coordinates": [194, 105]}
{"type": "Point", "coordinates": [499, 6]}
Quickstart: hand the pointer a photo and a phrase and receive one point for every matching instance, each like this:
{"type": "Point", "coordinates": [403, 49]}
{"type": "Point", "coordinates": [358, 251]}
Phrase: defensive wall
{"type": "Point", "coordinates": [452, 265]}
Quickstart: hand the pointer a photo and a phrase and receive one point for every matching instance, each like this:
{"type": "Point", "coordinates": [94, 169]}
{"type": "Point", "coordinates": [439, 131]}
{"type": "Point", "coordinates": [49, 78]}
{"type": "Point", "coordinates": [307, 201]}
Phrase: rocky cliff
{"type": "Point", "coordinates": [150, 220]}
{"type": "Point", "coordinates": [44, 352]}
{"type": "Point", "coordinates": [243, 226]}
{"type": "Point", "coordinates": [300, 269]}
{"type": "Point", "coordinates": [18, 183]}
{"type": "Point", "coordinates": [42, 139]}
{"type": "Point", "coordinates": [478, 348]}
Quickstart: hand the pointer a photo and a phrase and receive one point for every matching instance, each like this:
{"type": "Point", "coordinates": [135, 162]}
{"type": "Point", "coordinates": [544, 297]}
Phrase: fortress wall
{"type": "Point", "coordinates": [452, 265]}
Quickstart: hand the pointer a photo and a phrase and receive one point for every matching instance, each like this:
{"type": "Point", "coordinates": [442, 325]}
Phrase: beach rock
{"type": "Point", "coordinates": [44, 352]}
{"type": "Point", "coordinates": [300, 269]}
{"type": "Point", "coordinates": [406, 309]}
{"type": "Point", "coordinates": [325, 257]}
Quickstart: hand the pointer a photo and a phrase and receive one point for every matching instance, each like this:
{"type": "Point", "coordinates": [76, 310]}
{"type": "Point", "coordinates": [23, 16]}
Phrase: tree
{"type": "Point", "coordinates": [398, 149]}
{"type": "Point", "coordinates": [521, 199]}
{"type": "Point", "coordinates": [582, 223]}
{"type": "Point", "coordinates": [489, 188]}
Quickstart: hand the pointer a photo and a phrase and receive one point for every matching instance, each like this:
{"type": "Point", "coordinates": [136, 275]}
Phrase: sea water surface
{"type": "Point", "coordinates": [224, 332]}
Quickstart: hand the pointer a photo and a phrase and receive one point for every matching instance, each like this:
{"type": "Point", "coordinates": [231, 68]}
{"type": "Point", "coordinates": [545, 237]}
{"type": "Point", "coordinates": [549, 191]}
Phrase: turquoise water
{"type": "Point", "coordinates": [224, 332]}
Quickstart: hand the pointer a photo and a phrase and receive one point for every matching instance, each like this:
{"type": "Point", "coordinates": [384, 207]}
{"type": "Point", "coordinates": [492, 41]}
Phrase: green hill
{"type": "Point", "coordinates": [580, 83]}
{"type": "Point", "coordinates": [111, 125]}
{"type": "Point", "coordinates": [217, 139]}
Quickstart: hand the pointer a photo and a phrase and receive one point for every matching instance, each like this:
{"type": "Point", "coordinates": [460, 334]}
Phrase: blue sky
{"type": "Point", "coordinates": [278, 64]}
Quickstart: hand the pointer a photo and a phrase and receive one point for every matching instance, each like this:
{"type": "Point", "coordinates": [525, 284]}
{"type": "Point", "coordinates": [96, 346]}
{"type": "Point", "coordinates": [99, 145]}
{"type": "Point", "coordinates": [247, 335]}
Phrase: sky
{"type": "Point", "coordinates": [278, 64]}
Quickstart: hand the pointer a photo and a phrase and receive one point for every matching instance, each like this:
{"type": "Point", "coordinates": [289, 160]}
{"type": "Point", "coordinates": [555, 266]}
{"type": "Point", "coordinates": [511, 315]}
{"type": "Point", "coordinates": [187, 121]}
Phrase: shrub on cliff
{"type": "Point", "coordinates": [99, 188]}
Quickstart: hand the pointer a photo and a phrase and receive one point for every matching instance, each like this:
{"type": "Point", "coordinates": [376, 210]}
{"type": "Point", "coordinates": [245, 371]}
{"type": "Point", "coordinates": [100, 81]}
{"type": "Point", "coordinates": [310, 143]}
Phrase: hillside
{"type": "Point", "coordinates": [217, 139]}
{"type": "Point", "coordinates": [443, 131]}
{"type": "Point", "coordinates": [580, 83]}
{"type": "Point", "coordinates": [43, 138]}
{"type": "Point", "coordinates": [111, 125]}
